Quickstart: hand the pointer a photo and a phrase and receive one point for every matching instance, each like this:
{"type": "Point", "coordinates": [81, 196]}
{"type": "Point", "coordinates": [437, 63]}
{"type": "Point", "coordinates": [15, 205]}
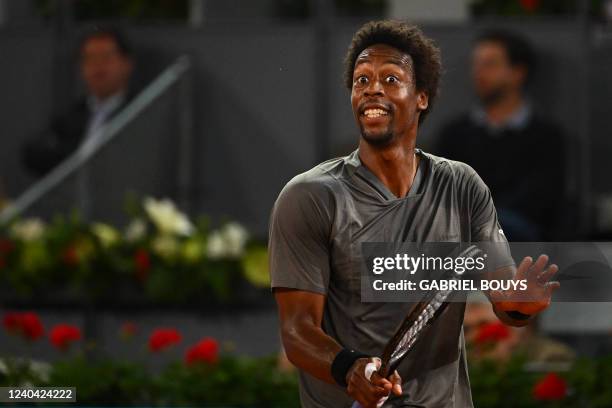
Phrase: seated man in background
{"type": "Point", "coordinates": [501, 129]}
{"type": "Point", "coordinates": [106, 67]}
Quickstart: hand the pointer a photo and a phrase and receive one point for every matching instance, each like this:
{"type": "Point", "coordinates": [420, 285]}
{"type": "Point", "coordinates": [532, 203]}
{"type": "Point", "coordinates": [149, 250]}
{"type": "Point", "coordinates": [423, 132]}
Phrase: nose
{"type": "Point", "coordinates": [374, 88]}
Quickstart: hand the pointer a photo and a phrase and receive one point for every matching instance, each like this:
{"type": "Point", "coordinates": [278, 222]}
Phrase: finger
{"type": "Point", "coordinates": [548, 273]}
{"type": "Point", "coordinates": [376, 387]}
{"type": "Point", "coordinates": [381, 382]}
{"type": "Point", "coordinates": [365, 392]}
{"type": "Point", "coordinates": [523, 268]}
{"type": "Point", "coordinates": [538, 266]}
{"type": "Point", "coordinates": [396, 380]}
{"type": "Point", "coordinates": [551, 287]}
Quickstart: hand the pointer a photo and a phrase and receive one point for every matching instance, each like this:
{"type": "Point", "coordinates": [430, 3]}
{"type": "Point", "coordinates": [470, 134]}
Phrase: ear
{"type": "Point", "coordinates": [422, 100]}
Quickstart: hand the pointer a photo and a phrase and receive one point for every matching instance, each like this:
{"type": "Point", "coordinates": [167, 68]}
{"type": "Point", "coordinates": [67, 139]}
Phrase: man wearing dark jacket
{"type": "Point", "coordinates": [106, 67]}
{"type": "Point", "coordinates": [502, 129]}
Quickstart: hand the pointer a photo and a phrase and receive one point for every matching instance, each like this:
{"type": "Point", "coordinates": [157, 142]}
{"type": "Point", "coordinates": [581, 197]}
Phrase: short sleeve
{"type": "Point", "coordinates": [484, 224]}
{"type": "Point", "coordinates": [299, 237]}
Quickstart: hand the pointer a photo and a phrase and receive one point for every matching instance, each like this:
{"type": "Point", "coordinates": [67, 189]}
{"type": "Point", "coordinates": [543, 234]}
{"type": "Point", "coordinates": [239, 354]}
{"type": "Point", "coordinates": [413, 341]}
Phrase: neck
{"type": "Point", "coordinates": [101, 97]}
{"type": "Point", "coordinates": [500, 111]}
{"type": "Point", "coordinates": [395, 164]}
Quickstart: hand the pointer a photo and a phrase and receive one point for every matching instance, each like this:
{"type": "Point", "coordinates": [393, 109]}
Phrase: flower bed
{"type": "Point", "coordinates": [209, 375]}
{"type": "Point", "coordinates": [161, 256]}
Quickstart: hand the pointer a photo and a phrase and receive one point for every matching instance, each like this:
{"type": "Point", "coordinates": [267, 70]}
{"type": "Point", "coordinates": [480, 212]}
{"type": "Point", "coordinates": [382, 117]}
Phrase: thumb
{"type": "Point", "coordinates": [396, 380]}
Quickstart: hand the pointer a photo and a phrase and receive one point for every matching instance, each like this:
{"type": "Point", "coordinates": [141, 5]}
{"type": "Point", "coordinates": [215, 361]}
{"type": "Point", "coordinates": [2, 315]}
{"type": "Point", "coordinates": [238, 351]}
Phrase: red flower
{"type": "Point", "coordinates": [63, 334]}
{"type": "Point", "coordinates": [550, 388]}
{"type": "Point", "coordinates": [530, 5]}
{"type": "Point", "coordinates": [492, 332]}
{"type": "Point", "coordinates": [143, 263]}
{"type": "Point", "coordinates": [163, 338]}
{"type": "Point", "coordinates": [128, 329]}
{"type": "Point", "coordinates": [26, 324]}
{"type": "Point", "coordinates": [12, 322]}
{"type": "Point", "coordinates": [206, 350]}
{"type": "Point", "coordinates": [31, 326]}
{"type": "Point", "coordinates": [70, 256]}
{"type": "Point", "coordinates": [6, 246]}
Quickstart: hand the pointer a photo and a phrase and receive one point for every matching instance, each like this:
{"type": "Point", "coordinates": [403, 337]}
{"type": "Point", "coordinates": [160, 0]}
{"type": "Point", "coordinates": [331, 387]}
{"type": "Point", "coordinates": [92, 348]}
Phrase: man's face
{"type": "Point", "coordinates": [385, 101]}
{"type": "Point", "coordinates": [493, 74]}
{"type": "Point", "coordinates": [104, 68]}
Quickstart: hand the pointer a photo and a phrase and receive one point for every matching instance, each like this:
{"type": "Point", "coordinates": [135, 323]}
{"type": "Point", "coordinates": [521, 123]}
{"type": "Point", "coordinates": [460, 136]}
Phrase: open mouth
{"type": "Point", "coordinates": [374, 113]}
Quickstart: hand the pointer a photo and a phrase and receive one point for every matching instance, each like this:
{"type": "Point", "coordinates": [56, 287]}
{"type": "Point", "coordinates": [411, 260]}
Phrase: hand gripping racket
{"type": "Point", "coordinates": [421, 316]}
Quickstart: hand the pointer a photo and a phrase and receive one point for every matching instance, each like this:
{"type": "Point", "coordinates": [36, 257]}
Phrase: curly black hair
{"type": "Point", "coordinates": [408, 38]}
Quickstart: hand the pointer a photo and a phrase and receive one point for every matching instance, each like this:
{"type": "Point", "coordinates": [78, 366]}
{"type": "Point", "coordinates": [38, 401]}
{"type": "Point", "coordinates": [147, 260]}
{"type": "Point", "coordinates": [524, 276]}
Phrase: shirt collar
{"type": "Point", "coordinates": [107, 105]}
{"type": "Point", "coordinates": [517, 121]}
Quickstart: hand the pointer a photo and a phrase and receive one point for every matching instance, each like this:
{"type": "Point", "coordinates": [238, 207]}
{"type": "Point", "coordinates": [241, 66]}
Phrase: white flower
{"type": "Point", "coordinates": [228, 242]}
{"type": "Point", "coordinates": [215, 246]}
{"type": "Point", "coordinates": [41, 368]}
{"type": "Point", "coordinates": [166, 246]}
{"type": "Point", "coordinates": [236, 237]}
{"type": "Point", "coordinates": [136, 230]}
{"type": "Point", "coordinates": [107, 235]}
{"type": "Point", "coordinates": [166, 217]}
{"type": "Point", "coordinates": [29, 229]}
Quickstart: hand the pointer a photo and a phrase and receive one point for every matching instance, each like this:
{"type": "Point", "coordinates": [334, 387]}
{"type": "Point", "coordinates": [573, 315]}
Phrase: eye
{"type": "Point", "coordinates": [361, 80]}
{"type": "Point", "coordinates": [391, 79]}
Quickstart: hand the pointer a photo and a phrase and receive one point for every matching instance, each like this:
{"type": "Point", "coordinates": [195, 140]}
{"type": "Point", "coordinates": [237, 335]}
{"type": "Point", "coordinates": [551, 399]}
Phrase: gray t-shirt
{"type": "Point", "coordinates": [318, 224]}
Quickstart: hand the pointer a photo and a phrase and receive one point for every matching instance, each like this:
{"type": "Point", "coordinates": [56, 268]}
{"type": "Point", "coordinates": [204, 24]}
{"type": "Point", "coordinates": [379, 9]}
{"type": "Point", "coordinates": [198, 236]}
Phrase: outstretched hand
{"type": "Point", "coordinates": [539, 289]}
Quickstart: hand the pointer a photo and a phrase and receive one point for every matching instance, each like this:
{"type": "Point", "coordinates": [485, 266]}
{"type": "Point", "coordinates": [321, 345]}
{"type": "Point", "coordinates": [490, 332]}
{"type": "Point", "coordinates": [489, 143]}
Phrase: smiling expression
{"type": "Point", "coordinates": [385, 101]}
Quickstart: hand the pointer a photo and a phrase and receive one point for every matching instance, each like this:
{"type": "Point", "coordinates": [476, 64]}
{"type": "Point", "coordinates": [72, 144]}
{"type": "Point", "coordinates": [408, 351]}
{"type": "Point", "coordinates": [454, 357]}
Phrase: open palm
{"type": "Point", "coordinates": [536, 297]}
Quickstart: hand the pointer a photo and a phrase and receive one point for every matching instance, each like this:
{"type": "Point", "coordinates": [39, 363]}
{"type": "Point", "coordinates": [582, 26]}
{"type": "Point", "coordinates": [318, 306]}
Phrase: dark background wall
{"type": "Point", "coordinates": [270, 102]}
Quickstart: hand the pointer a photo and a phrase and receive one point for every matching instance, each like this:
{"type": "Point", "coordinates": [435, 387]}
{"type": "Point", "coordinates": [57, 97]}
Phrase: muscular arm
{"type": "Point", "coordinates": [306, 345]}
{"type": "Point", "coordinates": [313, 351]}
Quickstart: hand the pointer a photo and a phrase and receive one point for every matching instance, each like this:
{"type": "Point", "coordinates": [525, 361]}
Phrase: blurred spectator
{"type": "Point", "coordinates": [519, 154]}
{"type": "Point", "coordinates": [488, 337]}
{"type": "Point", "coordinates": [106, 67]}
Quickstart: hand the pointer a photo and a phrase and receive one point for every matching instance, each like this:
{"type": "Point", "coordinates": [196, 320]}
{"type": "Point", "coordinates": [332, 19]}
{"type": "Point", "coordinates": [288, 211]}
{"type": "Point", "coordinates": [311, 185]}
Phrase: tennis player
{"type": "Point", "coordinates": [385, 191]}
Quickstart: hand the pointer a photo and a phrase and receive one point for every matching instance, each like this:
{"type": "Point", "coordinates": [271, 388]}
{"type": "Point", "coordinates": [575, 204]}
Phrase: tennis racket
{"type": "Point", "coordinates": [421, 316]}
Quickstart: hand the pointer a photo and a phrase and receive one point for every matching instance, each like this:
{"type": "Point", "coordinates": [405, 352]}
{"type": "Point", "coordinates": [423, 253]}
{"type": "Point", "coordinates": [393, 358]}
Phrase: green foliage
{"type": "Point", "coordinates": [257, 382]}
{"type": "Point", "coordinates": [105, 382]}
{"type": "Point", "coordinates": [232, 382]}
{"type": "Point", "coordinates": [161, 257]}
{"type": "Point", "coordinates": [510, 385]}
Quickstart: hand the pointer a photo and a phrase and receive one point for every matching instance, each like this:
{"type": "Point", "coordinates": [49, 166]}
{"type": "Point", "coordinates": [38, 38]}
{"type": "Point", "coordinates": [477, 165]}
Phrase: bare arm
{"type": "Point", "coordinates": [310, 349]}
{"type": "Point", "coordinates": [306, 345]}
